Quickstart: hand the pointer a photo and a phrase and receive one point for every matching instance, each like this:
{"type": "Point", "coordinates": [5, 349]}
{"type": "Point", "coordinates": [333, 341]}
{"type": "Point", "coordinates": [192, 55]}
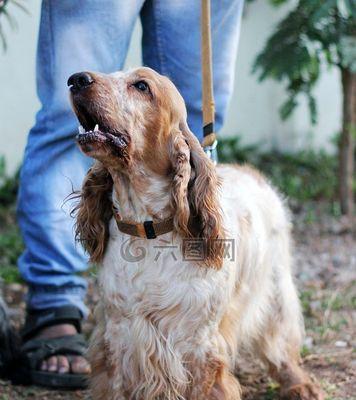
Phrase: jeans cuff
{"type": "Point", "coordinates": [44, 297]}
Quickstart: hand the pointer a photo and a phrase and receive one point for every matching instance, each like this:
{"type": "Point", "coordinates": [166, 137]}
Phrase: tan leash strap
{"type": "Point", "coordinates": [207, 76]}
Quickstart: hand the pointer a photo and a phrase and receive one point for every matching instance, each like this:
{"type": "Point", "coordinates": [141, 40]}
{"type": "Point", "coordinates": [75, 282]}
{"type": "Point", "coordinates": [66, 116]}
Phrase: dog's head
{"type": "Point", "coordinates": [126, 117]}
{"type": "Point", "coordinates": [137, 121]}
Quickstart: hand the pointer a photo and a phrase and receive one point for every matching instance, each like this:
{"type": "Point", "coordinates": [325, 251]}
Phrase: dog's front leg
{"type": "Point", "coordinates": [97, 354]}
{"type": "Point", "coordinates": [104, 371]}
{"type": "Point", "coordinates": [212, 380]}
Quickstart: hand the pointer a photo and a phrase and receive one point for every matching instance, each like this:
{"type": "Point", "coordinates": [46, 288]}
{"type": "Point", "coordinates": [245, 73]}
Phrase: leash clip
{"type": "Point", "coordinates": [211, 151]}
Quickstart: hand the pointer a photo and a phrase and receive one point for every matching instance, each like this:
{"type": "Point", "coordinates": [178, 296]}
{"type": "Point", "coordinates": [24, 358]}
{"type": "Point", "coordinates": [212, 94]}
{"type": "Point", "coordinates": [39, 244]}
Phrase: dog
{"type": "Point", "coordinates": [174, 327]}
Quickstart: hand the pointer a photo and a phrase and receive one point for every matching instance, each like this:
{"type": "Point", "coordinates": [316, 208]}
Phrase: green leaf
{"type": "Point", "coordinates": [351, 7]}
{"type": "Point", "coordinates": [277, 3]}
{"type": "Point", "coordinates": [345, 8]}
{"type": "Point", "coordinates": [287, 108]}
{"type": "Point", "coordinates": [347, 51]}
{"type": "Point", "coordinates": [324, 10]}
{"type": "Point", "coordinates": [3, 39]}
{"type": "Point", "coordinates": [2, 4]}
{"type": "Point", "coordinates": [312, 109]}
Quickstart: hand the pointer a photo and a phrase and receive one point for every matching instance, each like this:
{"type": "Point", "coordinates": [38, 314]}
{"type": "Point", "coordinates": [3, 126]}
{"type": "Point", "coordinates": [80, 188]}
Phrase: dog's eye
{"type": "Point", "coordinates": [142, 86]}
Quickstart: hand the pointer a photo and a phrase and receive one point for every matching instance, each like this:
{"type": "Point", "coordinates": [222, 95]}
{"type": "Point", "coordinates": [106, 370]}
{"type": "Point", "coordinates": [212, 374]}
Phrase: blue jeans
{"type": "Point", "coordinates": [94, 35]}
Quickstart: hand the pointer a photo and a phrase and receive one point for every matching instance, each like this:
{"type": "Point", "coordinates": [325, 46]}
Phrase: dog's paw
{"type": "Point", "coordinates": [304, 391]}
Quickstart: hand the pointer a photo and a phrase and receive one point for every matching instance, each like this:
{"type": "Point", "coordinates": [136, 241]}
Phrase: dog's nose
{"type": "Point", "coordinates": [79, 81]}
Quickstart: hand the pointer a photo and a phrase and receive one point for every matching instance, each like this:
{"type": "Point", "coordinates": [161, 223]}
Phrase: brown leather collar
{"type": "Point", "coordinates": [146, 230]}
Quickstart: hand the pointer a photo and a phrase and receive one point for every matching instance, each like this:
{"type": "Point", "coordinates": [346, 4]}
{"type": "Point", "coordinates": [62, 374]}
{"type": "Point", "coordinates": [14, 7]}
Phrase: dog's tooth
{"type": "Point", "coordinates": [81, 130]}
{"type": "Point", "coordinates": [96, 129]}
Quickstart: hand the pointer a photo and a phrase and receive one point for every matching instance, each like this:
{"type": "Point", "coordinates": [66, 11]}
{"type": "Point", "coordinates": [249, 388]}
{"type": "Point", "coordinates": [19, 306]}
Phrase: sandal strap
{"type": "Point", "coordinates": [38, 350]}
{"type": "Point", "coordinates": [39, 319]}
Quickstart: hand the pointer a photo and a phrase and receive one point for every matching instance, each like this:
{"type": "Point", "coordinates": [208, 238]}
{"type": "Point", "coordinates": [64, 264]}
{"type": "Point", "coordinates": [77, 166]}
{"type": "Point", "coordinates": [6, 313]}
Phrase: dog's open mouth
{"type": "Point", "coordinates": [99, 135]}
{"type": "Point", "coordinates": [93, 136]}
{"type": "Point", "coordinates": [87, 138]}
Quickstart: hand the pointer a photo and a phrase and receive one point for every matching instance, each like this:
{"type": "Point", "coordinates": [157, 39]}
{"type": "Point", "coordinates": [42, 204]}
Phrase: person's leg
{"type": "Point", "coordinates": [171, 45]}
{"type": "Point", "coordinates": [74, 36]}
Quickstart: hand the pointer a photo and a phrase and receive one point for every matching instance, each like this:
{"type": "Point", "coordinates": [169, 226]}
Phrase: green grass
{"type": "Point", "coordinates": [305, 297]}
{"type": "Point", "coordinates": [334, 303]}
{"type": "Point", "coordinates": [8, 186]}
{"type": "Point", "coordinates": [327, 314]}
{"type": "Point", "coordinates": [11, 244]}
{"type": "Point", "coordinates": [304, 351]}
{"type": "Point", "coordinates": [11, 247]}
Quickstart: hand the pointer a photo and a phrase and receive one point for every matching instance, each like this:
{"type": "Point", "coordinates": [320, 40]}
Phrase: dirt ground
{"type": "Point", "coordinates": [325, 270]}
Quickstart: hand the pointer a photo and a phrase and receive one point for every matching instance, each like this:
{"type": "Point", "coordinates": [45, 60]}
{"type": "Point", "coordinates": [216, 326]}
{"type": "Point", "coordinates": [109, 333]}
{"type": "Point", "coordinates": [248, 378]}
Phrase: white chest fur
{"type": "Point", "coordinates": [160, 308]}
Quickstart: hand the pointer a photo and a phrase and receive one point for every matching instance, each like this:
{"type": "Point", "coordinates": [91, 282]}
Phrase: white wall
{"type": "Point", "coordinates": [18, 101]}
{"type": "Point", "coordinates": [253, 112]}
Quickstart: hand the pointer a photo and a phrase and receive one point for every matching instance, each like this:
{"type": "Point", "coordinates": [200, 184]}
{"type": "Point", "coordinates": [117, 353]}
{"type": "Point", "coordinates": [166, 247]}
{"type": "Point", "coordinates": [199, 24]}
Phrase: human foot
{"type": "Point", "coordinates": [61, 363]}
{"type": "Point", "coordinates": [54, 348]}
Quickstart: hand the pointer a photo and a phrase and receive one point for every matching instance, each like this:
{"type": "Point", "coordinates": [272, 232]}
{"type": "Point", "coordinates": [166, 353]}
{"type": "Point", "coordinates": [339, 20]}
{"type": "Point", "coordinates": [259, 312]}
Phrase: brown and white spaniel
{"type": "Point", "coordinates": [195, 264]}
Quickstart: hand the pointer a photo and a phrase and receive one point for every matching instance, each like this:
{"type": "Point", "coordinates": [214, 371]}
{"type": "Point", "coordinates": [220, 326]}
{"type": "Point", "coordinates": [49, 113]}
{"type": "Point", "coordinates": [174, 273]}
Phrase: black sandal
{"type": "Point", "coordinates": [37, 350]}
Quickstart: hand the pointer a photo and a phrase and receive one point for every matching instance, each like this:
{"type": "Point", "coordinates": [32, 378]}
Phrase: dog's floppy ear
{"type": "Point", "coordinates": [195, 195]}
{"type": "Point", "coordinates": [179, 155]}
{"type": "Point", "coordinates": [94, 212]}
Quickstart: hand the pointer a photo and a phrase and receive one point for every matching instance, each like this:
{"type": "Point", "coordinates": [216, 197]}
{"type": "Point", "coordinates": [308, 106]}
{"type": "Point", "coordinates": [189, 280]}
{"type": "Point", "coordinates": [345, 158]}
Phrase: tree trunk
{"type": "Point", "coordinates": [347, 143]}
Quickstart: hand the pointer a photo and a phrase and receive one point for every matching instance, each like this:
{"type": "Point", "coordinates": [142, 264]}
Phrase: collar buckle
{"type": "Point", "coordinates": [149, 230]}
